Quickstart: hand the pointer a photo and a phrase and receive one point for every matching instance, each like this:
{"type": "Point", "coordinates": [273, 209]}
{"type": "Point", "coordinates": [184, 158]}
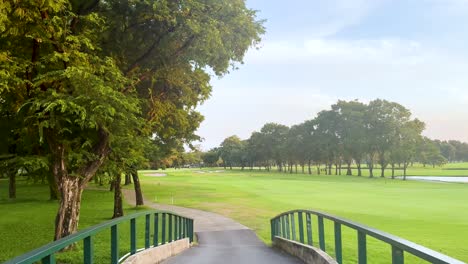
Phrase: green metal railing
{"type": "Point", "coordinates": [173, 227]}
{"type": "Point", "coordinates": [284, 226]}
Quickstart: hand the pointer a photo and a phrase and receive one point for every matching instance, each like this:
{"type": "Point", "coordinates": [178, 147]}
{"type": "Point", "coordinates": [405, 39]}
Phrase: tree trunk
{"type": "Point", "coordinates": [111, 186]}
{"type": "Point", "coordinates": [382, 173]}
{"type": "Point", "coordinates": [330, 169]}
{"type": "Point", "coordinates": [310, 169]}
{"type": "Point", "coordinates": [53, 189]}
{"type": "Point", "coordinates": [138, 193]}
{"type": "Point", "coordinates": [349, 172]}
{"type": "Point", "coordinates": [71, 187]}
{"type": "Point", "coordinates": [68, 215]}
{"type": "Point", "coordinates": [128, 179]}
{"type": "Point", "coordinates": [393, 170]}
{"type": "Point", "coordinates": [118, 208]}
{"type": "Point", "coordinates": [371, 170]}
{"type": "Point", "coordinates": [12, 185]}
{"type": "Point", "coordinates": [358, 164]}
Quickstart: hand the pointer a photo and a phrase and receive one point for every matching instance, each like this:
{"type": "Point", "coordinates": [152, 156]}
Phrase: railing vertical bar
{"type": "Point", "coordinates": [132, 236]}
{"type": "Point", "coordinates": [293, 227]}
{"type": "Point", "coordinates": [156, 229]}
{"type": "Point", "coordinates": [163, 227]}
{"type": "Point", "coordinates": [278, 227]}
{"type": "Point", "coordinates": [147, 231]}
{"type": "Point", "coordinates": [309, 229]}
{"type": "Point", "coordinates": [321, 231]}
{"type": "Point", "coordinates": [288, 228]}
{"type": "Point", "coordinates": [283, 227]}
{"type": "Point", "coordinates": [398, 256]}
{"type": "Point", "coordinates": [191, 230]}
{"type": "Point", "coordinates": [114, 245]}
{"type": "Point", "coordinates": [48, 259]}
{"type": "Point", "coordinates": [180, 227]}
{"type": "Point", "coordinates": [301, 227]}
{"type": "Point", "coordinates": [170, 227]}
{"type": "Point", "coordinates": [338, 243]}
{"type": "Point", "coordinates": [176, 227]}
{"type": "Point", "coordinates": [88, 252]}
{"type": "Point", "coordinates": [272, 230]}
{"type": "Point", "coordinates": [362, 248]}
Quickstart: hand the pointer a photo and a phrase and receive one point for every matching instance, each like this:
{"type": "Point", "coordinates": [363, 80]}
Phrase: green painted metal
{"type": "Point", "coordinates": [170, 228]}
{"type": "Point", "coordinates": [399, 245]}
{"type": "Point", "coordinates": [293, 227]}
{"type": "Point", "coordinates": [88, 250]}
{"type": "Point", "coordinates": [283, 226]}
{"type": "Point", "coordinates": [163, 231]}
{"type": "Point", "coordinates": [288, 229]}
{"type": "Point", "coordinates": [176, 228]}
{"type": "Point", "coordinates": [321, 231]}
{"type": "Point", "coordinates": [132, 236]}
{"type": "Point", "coordinates": [147, 231]}
{"type": "Point", "coordinates": [398, 256]}
{"type": "Point", "coordinates": [114, 244]}
{"type": "Point", "coordinates": [191, 230]}
{"type": "Point", "coordinates": [272, 229]}
{"type": "Point", "coordinates": [338, 243]}
{"type": "Point", "coordinates": [310, 240]}
{"type": "Point", "coordinates": [46, 253]}
{"type": "Point", "coordinates": [180, 228]}
{"type": "Point", "coordinates": [301, 227]}
{"type": "Point", "coordinates": [278, 227]}
{"type": "Point", "coordinates": [48, 260]}
{"type": "Point", "coordinates": [362, 248]}
{"type": "Point", "coordinates": [156, 229]}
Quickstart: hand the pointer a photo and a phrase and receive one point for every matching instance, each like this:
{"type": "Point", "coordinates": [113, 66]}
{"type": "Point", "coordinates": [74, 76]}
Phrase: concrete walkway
{"type": "Point", "coordinates": [220, 239]}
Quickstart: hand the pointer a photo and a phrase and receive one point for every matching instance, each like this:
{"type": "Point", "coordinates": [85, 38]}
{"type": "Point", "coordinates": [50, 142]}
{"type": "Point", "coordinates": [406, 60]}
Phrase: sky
{"type": "Point", "coordinates": [414, 52]}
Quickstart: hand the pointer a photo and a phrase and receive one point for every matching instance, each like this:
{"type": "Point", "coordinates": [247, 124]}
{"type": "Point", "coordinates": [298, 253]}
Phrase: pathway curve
{"type": "Point", "coordinates": [220, 239]}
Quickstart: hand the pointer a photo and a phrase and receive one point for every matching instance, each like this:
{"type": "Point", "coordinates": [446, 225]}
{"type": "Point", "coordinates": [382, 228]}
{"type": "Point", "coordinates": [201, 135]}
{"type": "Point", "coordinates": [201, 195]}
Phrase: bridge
{"type": "Point", "coordinates": [169, 233]}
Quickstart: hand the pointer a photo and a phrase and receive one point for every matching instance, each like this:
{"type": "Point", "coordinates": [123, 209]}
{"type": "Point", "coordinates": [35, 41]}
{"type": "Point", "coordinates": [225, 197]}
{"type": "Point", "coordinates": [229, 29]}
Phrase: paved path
{"type": "Point", "coordinates": [220, 239]}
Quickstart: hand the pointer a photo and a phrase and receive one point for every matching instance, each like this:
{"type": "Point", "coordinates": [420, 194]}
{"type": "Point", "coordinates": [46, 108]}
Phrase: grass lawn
{"type": "Point", "coordinates": [432, 214]}
{"type": "Point", "coordinates": [28, 221]}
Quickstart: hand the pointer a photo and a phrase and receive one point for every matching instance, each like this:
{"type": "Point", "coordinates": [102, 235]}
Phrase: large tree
{"type": "Point", "coordinates": [87, 74]}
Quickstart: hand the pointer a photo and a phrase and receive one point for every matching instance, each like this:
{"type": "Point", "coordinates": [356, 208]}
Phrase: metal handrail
{"type": "Point", "coordinates": [283, 225]}
{"type": "Point", "coordinates": [176, 227]}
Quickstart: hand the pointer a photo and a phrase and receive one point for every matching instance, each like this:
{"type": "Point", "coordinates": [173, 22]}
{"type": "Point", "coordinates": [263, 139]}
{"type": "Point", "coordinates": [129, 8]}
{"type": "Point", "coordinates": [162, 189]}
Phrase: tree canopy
{"type": "Point", "coordinates": [90, 82]}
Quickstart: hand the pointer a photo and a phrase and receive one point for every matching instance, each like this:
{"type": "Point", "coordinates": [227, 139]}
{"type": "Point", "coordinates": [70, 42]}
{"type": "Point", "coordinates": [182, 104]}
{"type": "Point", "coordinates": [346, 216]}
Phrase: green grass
{"type": "Point", "coordinates": [432, 214]}
{"type": "Point", "coordinates": [28, 221]}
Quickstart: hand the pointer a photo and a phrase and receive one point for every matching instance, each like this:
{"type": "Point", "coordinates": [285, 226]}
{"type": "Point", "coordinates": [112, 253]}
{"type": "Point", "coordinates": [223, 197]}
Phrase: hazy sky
{"type": "Point", "coordinates": [414, 52]}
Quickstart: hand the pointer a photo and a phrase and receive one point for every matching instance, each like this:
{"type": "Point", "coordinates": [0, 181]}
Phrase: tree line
{"type": "Point", "coordinates": [350, 136]}
{"type": "Point", "coordinates": [94, 90]}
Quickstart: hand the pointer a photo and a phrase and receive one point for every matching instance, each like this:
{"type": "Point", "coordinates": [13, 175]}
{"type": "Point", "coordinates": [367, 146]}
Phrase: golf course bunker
{"type": "Point", "coordinates": [156, 174]}
{"type": "Point", "coordinates": [438, 179]}
{"type": "Point", "coordinates": [213, 171]}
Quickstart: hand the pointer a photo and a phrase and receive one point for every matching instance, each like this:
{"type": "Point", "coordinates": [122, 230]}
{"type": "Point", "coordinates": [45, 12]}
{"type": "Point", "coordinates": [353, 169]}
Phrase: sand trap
{"type": "Point", "coordinates": [214, 171]}
{"type": "Point", "coordinates": [156, 174]}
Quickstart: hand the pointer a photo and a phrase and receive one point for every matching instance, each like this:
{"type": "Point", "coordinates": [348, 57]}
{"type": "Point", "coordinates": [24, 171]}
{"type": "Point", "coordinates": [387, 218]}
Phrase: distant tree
{"type": "Point", "coordinates": [230, 151]}
{"type": "Point", "coordinates": [210, 158]}
{"type": "Point", "coordinates": [350, 129]}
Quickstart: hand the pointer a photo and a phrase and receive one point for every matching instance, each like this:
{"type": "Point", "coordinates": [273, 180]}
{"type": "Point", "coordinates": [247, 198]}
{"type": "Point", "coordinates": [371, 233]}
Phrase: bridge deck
{"type": "Point", "coordinates": [220, 239]}
{"type": "Point", "coordinates": [230, 246]}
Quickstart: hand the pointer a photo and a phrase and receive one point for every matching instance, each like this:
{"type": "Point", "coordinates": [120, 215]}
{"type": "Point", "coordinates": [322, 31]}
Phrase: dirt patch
{"type": "Point", "coordinates": [156, 174]}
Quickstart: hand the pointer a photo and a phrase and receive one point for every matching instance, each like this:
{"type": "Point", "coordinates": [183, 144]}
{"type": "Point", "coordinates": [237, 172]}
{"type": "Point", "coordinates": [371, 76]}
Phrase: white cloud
{"type": "Point", "coordinates": [386, 49]}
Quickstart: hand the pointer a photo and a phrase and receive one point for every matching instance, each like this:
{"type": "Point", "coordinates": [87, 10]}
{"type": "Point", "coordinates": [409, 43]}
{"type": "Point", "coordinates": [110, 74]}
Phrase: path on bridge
{"type": "Point", "coordinates": [220, 239]}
